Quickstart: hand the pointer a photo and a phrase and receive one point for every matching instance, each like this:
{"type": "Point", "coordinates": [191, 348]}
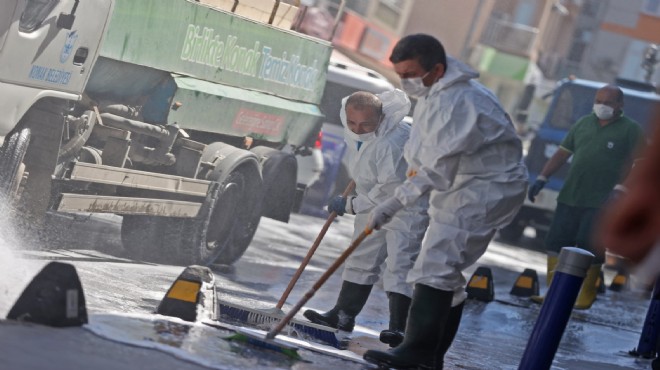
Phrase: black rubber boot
{"type": "Point", "coordinates": [399, 306]}
{"type": "Point", "coordinates": [429, 312]}
{"type": "Point", "coordinates": [451, 328]}
{"type": "Point", "coordinates": [352, 298]}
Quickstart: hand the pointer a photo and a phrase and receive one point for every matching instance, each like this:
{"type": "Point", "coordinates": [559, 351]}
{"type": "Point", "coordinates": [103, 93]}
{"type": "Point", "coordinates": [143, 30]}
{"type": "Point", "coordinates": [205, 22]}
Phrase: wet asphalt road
{"type": "Point", "coordinates": [492, 336]}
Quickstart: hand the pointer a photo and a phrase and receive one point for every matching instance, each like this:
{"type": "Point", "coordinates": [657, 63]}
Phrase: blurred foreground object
{"type": "Point", "coordinates": [631, 225]}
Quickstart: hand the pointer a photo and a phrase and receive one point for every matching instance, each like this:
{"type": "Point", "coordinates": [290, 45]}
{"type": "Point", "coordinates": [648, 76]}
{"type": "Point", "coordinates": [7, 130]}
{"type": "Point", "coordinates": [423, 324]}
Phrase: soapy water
{"type": "Point", "coordinates": [15, 272]}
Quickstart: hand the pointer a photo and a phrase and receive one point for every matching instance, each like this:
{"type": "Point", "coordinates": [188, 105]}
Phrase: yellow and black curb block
{"type": "Point", "coordinates": [480, 286]}
{"type": "Point", "coordinates": [621, 281]}
{"type": "Point", "coordinates": [54, 297]}
{"type": "Point", "coordinates": [192, 296]}
{"type": "Point", "coordinates": [526, 285]}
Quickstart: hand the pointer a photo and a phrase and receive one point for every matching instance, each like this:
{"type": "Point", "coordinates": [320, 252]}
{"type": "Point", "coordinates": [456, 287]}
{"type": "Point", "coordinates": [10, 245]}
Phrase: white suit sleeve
{"type": "Point", "coordinates": [390, 172]}
{"type": "Point", "coordinates": [454, 130]}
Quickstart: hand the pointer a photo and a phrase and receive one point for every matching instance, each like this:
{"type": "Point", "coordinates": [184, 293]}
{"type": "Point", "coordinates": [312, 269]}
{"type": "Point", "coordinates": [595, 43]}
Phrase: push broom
{"type": "Point", "coordinates": [331, 270]}
{"type": "Point", "coordinates": [265, 318]}
{"type": "Point", "coordinates": [269, 341]}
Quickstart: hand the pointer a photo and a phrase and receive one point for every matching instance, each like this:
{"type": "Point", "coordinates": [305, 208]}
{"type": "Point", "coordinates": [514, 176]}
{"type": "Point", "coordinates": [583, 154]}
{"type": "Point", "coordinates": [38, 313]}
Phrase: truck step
{"type": "Point", "coordinates": [127, 206]}
{"type": "Point", "coordinates": [116, 176]}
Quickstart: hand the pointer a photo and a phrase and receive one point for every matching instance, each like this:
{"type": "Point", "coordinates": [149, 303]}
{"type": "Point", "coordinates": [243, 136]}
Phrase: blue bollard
{"type": "Point", "coordinates": [648, 341]}
{"type": "Point", "coordinates": [556, 310]}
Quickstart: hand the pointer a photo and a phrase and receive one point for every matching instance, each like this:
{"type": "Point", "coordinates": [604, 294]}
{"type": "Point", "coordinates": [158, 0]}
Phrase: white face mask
{"type": "Point", "coordinates": [415, 86]}
{"type": "Point", "coordinates": [603, 111]}
{"type": "Point", "coordinates": [359, 137]}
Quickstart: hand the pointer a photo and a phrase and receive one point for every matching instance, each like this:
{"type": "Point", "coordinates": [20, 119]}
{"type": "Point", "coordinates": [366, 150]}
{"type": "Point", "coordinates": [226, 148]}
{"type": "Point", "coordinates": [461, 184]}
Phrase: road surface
{"type": "Point", "coordinates": [492, 335]}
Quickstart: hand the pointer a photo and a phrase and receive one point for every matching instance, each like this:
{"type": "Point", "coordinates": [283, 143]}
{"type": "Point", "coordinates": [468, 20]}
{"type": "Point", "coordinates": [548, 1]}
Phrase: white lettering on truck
{"type": "Point", "coordinates": [202, 46]}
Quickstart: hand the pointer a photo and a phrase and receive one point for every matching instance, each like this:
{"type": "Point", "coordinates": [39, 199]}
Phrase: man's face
{"type": "Point", "coordinates": [411, 68]}
{"type": "Point", "coordinates": [608, 97]}
{"type": "Point", "coordinates": [361, 121]}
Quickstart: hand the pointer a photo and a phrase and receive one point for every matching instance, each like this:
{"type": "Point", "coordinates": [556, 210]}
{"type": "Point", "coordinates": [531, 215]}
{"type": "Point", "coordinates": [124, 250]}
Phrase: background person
{"type": "Point", "coordinates": [602, 144]}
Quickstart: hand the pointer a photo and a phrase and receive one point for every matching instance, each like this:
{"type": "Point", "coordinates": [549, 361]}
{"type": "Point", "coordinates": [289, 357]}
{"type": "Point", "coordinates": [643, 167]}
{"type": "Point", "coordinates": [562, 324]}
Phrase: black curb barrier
{"type": "Point", "coordinates": [54, 297]}
{"type": "Point", "coordinates": [526, 285]}
{"type": "Point", "coordinates": [480, 286]}
{"type": "Point", "coordinates": [192, 296]}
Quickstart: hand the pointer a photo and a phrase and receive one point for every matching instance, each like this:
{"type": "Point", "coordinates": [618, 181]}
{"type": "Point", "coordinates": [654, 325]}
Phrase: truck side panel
{"type": "Point", "coordinates": [216, 46]}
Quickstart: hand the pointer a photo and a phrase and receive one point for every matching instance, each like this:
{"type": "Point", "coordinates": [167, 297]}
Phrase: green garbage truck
{"type": "Point", "coordinates": [181, 116]}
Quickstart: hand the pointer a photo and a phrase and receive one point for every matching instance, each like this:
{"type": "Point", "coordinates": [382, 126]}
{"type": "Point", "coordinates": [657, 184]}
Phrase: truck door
{"type": "Point", "coordinates": [36, 48]}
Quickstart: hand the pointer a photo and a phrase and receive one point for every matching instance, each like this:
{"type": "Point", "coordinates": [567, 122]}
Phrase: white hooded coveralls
{"type": "Point", "coordinates": [378, 168]}
{"type": "Point", "coordinates": [464, 151]}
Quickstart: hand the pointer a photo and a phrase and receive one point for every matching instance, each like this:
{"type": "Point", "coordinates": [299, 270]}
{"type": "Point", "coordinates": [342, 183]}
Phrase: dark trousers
{"type": "Point", "coordinates": [573, 227]}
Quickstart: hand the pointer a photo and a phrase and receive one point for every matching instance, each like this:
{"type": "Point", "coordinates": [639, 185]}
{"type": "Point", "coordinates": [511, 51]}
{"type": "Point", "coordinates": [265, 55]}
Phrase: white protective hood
{"type": "Point", "coordinates": [396, 106]}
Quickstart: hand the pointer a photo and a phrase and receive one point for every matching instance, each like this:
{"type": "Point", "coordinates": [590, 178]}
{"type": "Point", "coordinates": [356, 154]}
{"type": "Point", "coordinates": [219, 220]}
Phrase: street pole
{"type": "Point", "coordinates": [556, 310]}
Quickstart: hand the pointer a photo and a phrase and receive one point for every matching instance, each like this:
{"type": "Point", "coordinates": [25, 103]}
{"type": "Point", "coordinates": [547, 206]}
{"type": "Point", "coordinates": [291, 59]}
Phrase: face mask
{"type": "Point", "coordinates": [603, 111]}
{"type": "Point", "coordinates": [360, 137]}
{"type": "Point", "coordinates": [415, 86]}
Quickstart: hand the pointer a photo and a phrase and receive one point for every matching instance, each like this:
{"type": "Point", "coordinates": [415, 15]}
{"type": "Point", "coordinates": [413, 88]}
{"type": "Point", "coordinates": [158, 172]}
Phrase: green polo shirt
{"type": "Point", "coordinates": [601, 156]}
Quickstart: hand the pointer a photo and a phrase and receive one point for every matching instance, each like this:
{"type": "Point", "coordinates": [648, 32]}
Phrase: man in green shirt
{"type": "Point", "coordinates": [603, 145]}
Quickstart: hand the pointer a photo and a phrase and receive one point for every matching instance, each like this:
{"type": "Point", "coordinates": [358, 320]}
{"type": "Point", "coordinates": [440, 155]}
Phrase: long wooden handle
{"type": "Point", "coordinates": [312, 250]}
{"type": "Point", "coordinates": [331, 270]}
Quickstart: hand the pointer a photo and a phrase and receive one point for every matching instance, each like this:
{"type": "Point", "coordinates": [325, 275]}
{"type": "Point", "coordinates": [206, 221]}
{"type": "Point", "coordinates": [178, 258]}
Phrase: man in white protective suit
{"type": "Point", "coordinates": [375, 135]}
{"type": "Point", "coordinates": [463, 151]}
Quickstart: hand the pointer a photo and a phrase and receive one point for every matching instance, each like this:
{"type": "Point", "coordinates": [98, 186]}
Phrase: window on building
{"type": "Point", "coordinates": [652, 7]}
{"type": "Point", "coordinates": [526, 12]}
{"type": "Point", "coordinates": [590, 7]}
{"type": "Point", "coordinates": [582, 39]}
{"type": "Point", "coordinates": [389, 12]}
{"type": "Point", "coordinates": [631, 66]}
{"type": "Point", "coordinates": [358, 6]}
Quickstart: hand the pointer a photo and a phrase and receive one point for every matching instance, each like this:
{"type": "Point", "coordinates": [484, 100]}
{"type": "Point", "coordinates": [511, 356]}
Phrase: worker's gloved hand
{"type": "Point", "coordinates": [337, 205]}
{"type": "Point", "coordinates": [382, 213]}
{"type": "Point", "coordinates": [616, 194]}
{"type": "Point", "coordinates": [535, 189]}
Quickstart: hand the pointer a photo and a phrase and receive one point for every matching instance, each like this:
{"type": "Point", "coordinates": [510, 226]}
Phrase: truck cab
{"type": "Point", "coordinates": [572, 99]}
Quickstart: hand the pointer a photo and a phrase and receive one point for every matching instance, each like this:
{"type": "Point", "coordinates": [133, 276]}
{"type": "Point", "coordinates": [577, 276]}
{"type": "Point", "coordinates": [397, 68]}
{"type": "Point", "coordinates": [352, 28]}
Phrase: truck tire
{"type": "Point", "coordinates": [45, 120]}
{"type": "Point", "coordinates": [279, 171]}
{"type": "Point", "coordinates": [234, 219]}
{"type": "Point", "coordinates": [12, 167]}
{"type": "Point", "coordinates": [234, 211]}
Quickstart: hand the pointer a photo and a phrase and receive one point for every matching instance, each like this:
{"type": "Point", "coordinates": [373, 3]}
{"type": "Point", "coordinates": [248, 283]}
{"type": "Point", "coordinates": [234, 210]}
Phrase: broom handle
{"type": "Point", "coordinates": [312, 250]}
{"type": "Point", "coordinates": [331, 270]}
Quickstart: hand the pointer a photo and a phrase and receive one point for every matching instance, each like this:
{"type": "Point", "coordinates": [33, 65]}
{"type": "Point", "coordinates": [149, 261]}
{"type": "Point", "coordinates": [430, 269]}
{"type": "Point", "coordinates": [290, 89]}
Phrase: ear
{"type": "Point", "coordinates": [440, 70]}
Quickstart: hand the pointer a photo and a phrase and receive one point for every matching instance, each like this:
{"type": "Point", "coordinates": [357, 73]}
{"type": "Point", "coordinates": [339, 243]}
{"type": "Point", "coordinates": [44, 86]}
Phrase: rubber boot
{"type": "Point", "coordinates": [552, 260]}
{"type": "Point", "coordinates": [399, 306]}
{"type": "Point", "coordinates": [451, 328]}
{"type": "Point", "coordinates": [352, 298]}
{"type": "Point", "coordinates": [589, 290]}
{"type": "Point", "coordinates": [428, 316]}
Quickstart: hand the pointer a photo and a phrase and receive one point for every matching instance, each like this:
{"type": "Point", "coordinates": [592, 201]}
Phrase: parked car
{"type": "Point", "coordinates": [342, 80]}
